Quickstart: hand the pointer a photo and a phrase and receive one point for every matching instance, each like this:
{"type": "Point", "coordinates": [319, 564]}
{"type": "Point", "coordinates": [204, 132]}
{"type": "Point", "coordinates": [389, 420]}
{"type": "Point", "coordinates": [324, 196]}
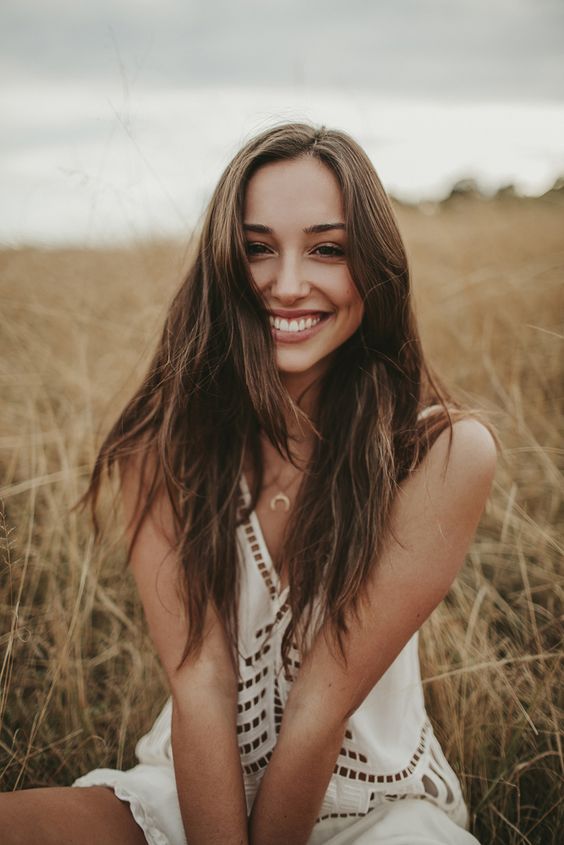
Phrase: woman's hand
{"type": "Point", "coordinates": [434, 519]}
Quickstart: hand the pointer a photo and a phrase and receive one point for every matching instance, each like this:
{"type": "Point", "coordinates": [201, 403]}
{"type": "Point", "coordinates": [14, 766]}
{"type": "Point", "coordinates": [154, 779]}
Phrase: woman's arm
{"type": "Point", "coordinates": [433, 521]}
{"type": "Point", "coordinates": [205, 751]}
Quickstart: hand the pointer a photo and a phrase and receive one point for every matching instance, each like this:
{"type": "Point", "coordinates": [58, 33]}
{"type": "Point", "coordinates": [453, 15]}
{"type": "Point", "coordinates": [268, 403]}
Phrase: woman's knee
{"type": "Point", "coordinates": [67, 816]}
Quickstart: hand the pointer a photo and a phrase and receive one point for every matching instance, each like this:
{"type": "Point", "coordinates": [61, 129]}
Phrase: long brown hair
{"type": "Point", "coordinates": [213, 386]}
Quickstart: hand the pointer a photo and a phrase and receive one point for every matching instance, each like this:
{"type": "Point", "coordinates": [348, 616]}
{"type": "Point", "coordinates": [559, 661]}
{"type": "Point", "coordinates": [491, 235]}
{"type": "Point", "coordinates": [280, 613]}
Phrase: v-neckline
{"type": "Point", "coordinates": [281, 592]}
{"type": "Point", "coordinates": [266, 566]}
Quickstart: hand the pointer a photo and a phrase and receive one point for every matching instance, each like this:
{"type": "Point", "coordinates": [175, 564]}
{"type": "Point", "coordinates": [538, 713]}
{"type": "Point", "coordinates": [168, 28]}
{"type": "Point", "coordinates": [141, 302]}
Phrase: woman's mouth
{"type": "Point", "coordinates": [297, 328]}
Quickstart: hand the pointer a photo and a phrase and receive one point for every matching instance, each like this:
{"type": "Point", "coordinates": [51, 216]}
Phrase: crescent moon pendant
{"type": "Point", "coordinates": [280, 497]}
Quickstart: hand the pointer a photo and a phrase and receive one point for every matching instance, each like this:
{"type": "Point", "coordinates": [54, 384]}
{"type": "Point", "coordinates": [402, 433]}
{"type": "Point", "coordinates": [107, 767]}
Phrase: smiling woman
{"type": "Point", "coordinates": [299, 264]}
{"type": "Point", "coordinates": [299, 493]}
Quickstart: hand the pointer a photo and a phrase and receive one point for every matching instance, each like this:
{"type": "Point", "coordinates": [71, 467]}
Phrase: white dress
{"type": "Point", "coordinates": [391, 782]}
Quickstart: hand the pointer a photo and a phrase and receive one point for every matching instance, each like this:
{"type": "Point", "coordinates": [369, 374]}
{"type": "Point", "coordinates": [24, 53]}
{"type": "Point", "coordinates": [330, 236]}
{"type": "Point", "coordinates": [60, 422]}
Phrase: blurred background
{"type": "Point", "coordinates": [119, 115]}
{"type": "Point", "coordinates": [117, 120]}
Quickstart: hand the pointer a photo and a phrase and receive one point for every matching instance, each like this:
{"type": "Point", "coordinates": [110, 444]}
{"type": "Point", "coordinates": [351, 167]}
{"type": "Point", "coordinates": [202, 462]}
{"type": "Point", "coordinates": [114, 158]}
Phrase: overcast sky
{"type": "Point", "coordinates": [456, 48]}
{"type": "Point", "coordinates": [190, 79]}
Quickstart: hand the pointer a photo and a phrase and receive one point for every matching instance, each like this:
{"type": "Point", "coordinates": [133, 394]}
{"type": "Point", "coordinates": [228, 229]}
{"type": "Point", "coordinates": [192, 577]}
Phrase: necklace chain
{"type": "Point", "coordinates": [281, 498]}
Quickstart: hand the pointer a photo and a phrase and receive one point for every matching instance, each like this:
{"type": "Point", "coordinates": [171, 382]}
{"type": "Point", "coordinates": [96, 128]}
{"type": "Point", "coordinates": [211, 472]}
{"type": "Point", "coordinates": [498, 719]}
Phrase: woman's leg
{"type": "Point", "coordinates": [66, 816]}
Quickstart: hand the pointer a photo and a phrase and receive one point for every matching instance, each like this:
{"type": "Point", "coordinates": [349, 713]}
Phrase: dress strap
{"type": "Point", "coordinates": [426, 411]}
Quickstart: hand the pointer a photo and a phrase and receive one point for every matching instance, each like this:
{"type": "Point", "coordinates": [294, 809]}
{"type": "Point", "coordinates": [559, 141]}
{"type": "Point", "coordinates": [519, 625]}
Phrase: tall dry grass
{"type": "Point", "coordinates": [78, 678]}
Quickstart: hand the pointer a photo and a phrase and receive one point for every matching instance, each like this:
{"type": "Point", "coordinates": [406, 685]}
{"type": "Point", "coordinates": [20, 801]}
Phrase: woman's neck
{"type": "Point", "coordinates": [304, 390]}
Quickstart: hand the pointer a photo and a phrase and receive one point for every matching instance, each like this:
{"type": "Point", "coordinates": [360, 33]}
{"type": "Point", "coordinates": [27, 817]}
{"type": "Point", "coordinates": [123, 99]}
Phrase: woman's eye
{"type": "Point", "coordinates": [329, 251]}
{"type": "Point", "coordinates": [257, 249]}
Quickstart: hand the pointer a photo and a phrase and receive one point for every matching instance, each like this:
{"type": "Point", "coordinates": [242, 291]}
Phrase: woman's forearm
{"type": "Point", "coordinates": [208, 770]}
{"type": "Point", "coordinates": [294, 784]}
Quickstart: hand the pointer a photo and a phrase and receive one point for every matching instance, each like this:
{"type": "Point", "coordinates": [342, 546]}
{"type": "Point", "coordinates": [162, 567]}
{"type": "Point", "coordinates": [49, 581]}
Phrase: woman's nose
{"type": "Point", "coordinates": [289, 282]}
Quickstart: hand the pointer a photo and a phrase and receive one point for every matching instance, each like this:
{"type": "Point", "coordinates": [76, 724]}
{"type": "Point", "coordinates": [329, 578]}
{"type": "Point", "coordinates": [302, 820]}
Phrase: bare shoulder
{"type": "Point", "coordinates": [472, 450]}
{"type": "Point", "coordinates": [460, 465]}
{"type": "Point", "coordinates": [439, 506]}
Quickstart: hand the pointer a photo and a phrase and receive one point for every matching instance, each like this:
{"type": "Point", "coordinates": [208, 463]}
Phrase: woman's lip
{"type": "Point", "coordinates": [297, 337]}
{"type": "Point", "coordinates": [296, 314]}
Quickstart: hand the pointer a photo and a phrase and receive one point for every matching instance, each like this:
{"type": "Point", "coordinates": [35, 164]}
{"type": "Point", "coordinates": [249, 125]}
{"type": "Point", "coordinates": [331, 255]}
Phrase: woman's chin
{"type": "Point", "coordinates": [300, 370]}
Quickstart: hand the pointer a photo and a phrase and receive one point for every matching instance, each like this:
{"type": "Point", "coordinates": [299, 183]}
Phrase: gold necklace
{"type": "Point", "coordinates": [282, 498]}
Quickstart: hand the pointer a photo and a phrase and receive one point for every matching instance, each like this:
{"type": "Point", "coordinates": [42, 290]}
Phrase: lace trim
{"type": "Point", "coordinates": [437, 783]}
{"type": "Point", "coordinates": [252, 717]}
{"type": "Point", "coordinates": [355, 773]}
{"type": "Point", "coordinates": [254, 680]}
{"type": "Point", "coordinates": [257, 765]}
{"type": "Point", "coordinates": [243, 706]}
{"type": "Point", "coordinates": [259, 558]}
{"type": "Point", "coordinates": [345, 815]}
{"type": "Point", "coordinates": [245, 727]}
{"type": "Point", "coordinates": [153, 834]}
{"type": "Point", "coordinates": [278, 708]}
{"type": "Point", "coordinates": [252, 746]}
{"type": "Point", "coordinates": [263, 565]}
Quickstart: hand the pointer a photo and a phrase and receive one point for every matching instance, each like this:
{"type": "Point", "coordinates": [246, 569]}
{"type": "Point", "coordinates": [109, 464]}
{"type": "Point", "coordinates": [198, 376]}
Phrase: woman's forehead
{"type": "Point", "coordinates": [302, 186]}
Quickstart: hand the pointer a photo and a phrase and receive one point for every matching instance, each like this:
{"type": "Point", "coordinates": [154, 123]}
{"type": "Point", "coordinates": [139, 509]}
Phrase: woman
{"type": "Point", "coordinates": [299, 494]}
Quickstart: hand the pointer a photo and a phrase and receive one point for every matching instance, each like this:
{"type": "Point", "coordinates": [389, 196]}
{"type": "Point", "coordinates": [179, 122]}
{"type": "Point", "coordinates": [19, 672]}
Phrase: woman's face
{"type": "Point", "coordinates": [297, 251]}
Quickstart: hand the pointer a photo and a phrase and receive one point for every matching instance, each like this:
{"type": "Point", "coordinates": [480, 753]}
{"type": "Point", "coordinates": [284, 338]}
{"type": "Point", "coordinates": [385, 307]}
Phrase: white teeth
{"type": "Point", "coordinates": [293, 325]}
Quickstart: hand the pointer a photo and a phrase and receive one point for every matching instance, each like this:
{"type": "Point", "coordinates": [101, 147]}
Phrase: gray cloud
{"type": "Point", "coordinates": [470, 49]}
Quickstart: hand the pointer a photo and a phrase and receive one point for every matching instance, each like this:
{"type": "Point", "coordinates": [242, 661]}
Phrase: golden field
{"type": "Point", "coordinates": [79, 682]}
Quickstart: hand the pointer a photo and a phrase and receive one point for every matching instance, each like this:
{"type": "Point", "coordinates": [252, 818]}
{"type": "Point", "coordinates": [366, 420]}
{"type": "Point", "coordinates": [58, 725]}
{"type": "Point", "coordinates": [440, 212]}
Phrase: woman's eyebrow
{"type": "Point", "coordinates": [258, 227]}
{"type": "Point", "coordinates": [309, 230]}
{"type": "Point", "coordinates": [323, 227]}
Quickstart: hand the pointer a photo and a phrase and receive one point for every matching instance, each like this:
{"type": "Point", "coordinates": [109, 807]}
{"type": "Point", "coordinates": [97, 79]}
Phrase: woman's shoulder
{"type": "Point", "coordinates": [464, 456]}
{"type": "Point", "coordinates": [469, 422]}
